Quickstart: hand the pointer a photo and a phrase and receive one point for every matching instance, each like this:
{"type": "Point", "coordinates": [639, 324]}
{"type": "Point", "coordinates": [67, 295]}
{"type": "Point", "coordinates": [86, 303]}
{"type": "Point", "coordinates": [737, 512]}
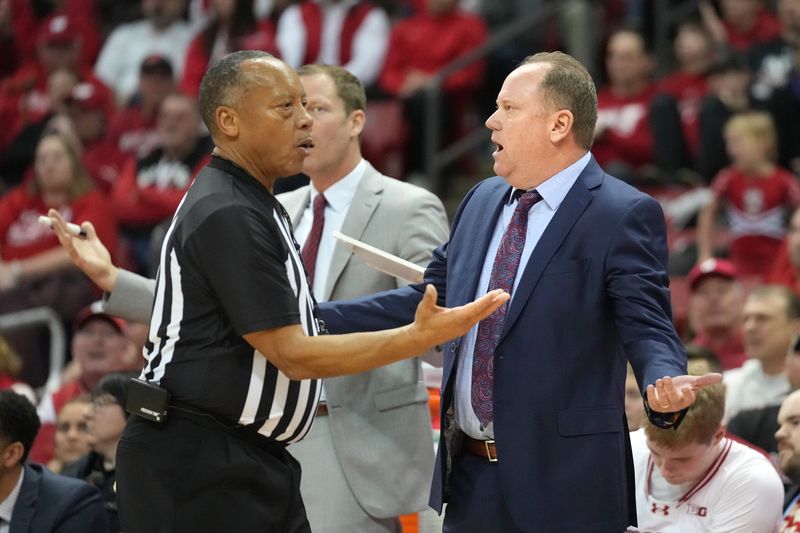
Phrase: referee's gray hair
{"type": "Point", "coordinates": [224, 83]}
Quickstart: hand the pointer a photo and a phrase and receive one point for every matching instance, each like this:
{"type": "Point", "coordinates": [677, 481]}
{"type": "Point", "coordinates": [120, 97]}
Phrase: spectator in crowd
{"type": "Point", "coordinates": [71, 440]}
{"type": "Point", "coordinates": [34, 270]}
{"type": "Point", "coordinates": [787, 436]}
{"type": "Point", "coordinates": [161, 32]}
{"type": "Point", "coordinates": [696, 479]}
{"type": "Point", "coordinates": [233, 26]}
{"type": "Point", "coordinates": [133, 130]}
{"type": "Point", "coordinates": [33, 499]}
{"type": "Point", "coordinates": [105, 421]}
{"type": "Point", "coordinates": [700, 360]}
{"type": "Point", "coordinates": [786, 269]}
{"type": "Point", "coordinates": [149, 189]}
{"type": "Point", "coordinates": [771, 321]}
{"type": "Point", "coordinates": [10, 370]}
{"type": "Point", "coordinates": [352, 34]}
{"type": "Point", "coordinates": [36, 90]}
{"type": "Point", "coordinates": [623, 141]}
{"type": "Point", "coordinates": [758, 426]}
{"type": "Point", "coordinates": [688, 84]}
{"type": "Point", "coordinates": [715, 308]}
{"type": "Point", "coordinates": [91, 111]}
{"type": "Point", "coordinates": [728, 94]}
{"type": "Point", "coordinates": [743, 24]}
{"type": "Point", "coordinates": [99, 347]}
{"type": "Point", "coordinates": [412, 62]}
{"type": "Point", "coordinates": [772, 61]}
{"type": "Point", "coordinates": [757, 196]}
{"type": "Point", "coordinates": [22, 20]}
{"type": "Point", "coordinates": [784, 106]}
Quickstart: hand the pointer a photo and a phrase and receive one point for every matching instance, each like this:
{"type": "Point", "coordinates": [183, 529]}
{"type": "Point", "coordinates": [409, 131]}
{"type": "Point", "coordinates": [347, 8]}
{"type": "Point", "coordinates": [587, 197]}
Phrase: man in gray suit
{"type": "Point", "coordinates": [369, 455]}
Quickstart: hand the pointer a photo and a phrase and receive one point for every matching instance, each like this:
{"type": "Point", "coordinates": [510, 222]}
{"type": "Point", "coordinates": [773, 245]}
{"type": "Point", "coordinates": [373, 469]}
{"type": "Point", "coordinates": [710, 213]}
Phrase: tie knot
{"type": "Point", "coordinates": [319, 203]}
{"type": "Point", "coordinates": [527, 199]}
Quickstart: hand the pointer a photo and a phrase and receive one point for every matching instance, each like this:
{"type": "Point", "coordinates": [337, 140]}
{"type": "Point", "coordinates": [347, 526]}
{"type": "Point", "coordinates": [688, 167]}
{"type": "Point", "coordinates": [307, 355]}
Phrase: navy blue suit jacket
{"type": "Point", "coordinates": [51, 503]}
{"type": "Point", "coordinates": [593, 295]}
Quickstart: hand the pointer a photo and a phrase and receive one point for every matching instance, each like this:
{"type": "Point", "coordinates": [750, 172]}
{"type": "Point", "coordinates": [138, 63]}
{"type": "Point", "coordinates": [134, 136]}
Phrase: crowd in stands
{"type": "Point", "coordinates": [99, 105]}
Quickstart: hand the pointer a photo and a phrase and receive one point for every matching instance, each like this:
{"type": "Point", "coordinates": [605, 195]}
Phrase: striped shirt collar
{"type": "Point", "coordinates": [7, 505]}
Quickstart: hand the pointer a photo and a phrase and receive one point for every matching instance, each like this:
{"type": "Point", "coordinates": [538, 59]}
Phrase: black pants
{"type": "Point", "coordinates": [186, 476]}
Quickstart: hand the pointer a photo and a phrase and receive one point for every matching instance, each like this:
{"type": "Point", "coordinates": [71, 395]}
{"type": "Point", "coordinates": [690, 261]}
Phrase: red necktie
{"type": "Point", "coordinates": [504, 270]}
{"type": "Point", "coordinates": [311, 246]}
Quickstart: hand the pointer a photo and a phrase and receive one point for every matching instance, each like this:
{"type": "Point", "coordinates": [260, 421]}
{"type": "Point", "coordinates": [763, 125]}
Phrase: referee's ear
{"type": "Point", "coordinates": [227, 121]}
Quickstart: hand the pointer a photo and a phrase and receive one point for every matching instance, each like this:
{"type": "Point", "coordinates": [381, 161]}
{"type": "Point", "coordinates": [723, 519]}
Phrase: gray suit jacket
{"type": "Point", "coordinates": [379, 420]}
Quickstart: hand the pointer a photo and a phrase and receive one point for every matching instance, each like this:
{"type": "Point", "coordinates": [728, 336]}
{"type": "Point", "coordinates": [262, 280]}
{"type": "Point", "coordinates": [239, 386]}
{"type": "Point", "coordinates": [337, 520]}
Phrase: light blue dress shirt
{"type": "Point", "coordinates": [553, 191]}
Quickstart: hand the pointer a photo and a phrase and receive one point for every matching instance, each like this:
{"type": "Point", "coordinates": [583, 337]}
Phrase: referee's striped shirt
{"type": "Point", "coordinates": [230, 266]}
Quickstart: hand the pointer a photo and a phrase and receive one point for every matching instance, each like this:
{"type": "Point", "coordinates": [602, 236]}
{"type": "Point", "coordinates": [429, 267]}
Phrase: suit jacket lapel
{"type": "Point", "coordinates": [296, 207]}
{"type": "Point", "coordinates": [476, 231]}
{"type": "Point", "coordinates": [365, 201]}
{"type": "Point", "coordinates": [568, 213]}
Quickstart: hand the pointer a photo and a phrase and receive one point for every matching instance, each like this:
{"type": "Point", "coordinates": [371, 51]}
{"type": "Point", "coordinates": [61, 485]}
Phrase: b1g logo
{"type": "Point", "coordinates": [696, 510]}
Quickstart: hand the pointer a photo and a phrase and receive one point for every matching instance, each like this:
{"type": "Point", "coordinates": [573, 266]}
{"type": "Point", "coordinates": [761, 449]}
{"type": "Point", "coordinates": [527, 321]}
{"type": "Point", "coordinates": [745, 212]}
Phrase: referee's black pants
{"type": "Point", "coordinates": [185, 476]}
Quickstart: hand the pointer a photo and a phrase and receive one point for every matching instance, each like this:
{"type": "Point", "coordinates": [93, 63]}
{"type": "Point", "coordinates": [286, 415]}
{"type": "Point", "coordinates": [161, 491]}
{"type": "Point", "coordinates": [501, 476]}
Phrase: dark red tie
{"type": "Point", "coordinates": [311, 246]}
{"type": "Point", "coordinates": [504, 270]}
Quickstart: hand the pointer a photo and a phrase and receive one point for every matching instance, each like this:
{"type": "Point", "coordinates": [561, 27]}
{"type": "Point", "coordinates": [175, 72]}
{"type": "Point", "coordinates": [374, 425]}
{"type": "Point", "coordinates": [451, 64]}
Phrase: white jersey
{"type": "Point", "coordinates": [740, 492]}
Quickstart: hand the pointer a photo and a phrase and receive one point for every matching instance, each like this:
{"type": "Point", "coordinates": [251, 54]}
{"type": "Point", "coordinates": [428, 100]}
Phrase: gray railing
{"type": "Point", "coordinates": [42, 316]}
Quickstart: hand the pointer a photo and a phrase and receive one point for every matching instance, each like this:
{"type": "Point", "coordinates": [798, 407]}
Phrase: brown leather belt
{"type": "Point", "coordinates": [322, 409]}
{"type": "Point", "coordinates": [481, 448]}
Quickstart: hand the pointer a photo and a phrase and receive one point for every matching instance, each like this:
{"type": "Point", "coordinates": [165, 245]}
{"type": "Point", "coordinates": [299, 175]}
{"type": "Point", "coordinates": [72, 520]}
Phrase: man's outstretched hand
{"type": "Point", "coordinates": [87, 253]}
{"type": "Point", "coordinates": [670, 395]}
{"type": "Point", "coordinates": [434, 324]}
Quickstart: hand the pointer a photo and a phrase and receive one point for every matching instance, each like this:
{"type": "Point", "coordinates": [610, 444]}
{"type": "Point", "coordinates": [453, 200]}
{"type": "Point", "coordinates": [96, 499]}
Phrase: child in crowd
{"type": "Point", "coordinates": [756, 193]}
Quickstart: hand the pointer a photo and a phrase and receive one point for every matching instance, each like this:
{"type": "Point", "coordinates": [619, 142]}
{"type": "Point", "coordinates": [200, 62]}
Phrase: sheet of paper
{"type": "Point", "coordinates": [380, 260]}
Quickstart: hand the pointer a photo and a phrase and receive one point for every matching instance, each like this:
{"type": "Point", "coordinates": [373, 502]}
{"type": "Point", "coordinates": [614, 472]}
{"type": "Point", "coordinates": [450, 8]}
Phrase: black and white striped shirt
{"type": "Point", "coordinates": [230, 266]}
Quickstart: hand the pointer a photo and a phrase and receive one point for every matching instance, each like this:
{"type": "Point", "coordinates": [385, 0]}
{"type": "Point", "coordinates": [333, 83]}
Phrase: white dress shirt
{"type": "Point", "coordinates": [553, 191]}
{"type": "Point", "coordinates": [7, 505]}
{"type": "Point", "coordinates": [370, 42]}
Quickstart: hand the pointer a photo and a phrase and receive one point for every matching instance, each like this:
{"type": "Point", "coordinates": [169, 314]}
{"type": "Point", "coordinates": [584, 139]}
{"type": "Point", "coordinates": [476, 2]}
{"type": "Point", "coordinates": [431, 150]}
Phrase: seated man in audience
{"type": "Point", "coordinates": [696, 479]}
{"type": "Point", "coordinates": [32, 499]}
{"type": "Point", "coordinates": [788, 439]}
{"type": "Point", "coordinates": [99, 346]}
{"type": "Point", "coordinates": [758, 426]}
{"type": "Point", "coordinates": [771, 321]}
{"type": "Point", "coordinates": [715, 309]}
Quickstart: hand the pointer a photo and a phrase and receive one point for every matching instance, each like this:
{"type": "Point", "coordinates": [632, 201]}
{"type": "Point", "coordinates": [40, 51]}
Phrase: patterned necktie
{"type": "Point", "coordinates": [504, 270]}
{"type": "Point", "coordinates": [311, 246]}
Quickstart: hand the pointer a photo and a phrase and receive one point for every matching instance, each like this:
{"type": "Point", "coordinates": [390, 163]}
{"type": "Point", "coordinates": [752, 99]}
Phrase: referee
{"type": "Point", "coordinates": [233, 336]}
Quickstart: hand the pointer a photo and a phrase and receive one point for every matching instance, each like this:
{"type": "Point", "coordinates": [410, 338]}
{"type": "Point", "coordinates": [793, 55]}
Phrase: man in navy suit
{"type": "Point", "coordinates": [32, 499]}
{"type": "Point", "coordinates": [534, 435]}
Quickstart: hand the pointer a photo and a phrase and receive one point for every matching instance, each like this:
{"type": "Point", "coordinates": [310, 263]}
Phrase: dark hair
{"type": "Point", "coordinates": [243, 23]}
{"type": "Point", "coordinates": [116, 384]}
{"type": "Point", "coordinates": [224, 83]}
{"type": "Point", "coordinates": [695, 352]}
{"type": "Point", "coordinates": [568, 85]}
{"type": "Point", "coordinates": [348, 87]}
{"type": "Point", "coordinates": [789, 297]}
{"type": "Point", "coordinates": [18, 420]}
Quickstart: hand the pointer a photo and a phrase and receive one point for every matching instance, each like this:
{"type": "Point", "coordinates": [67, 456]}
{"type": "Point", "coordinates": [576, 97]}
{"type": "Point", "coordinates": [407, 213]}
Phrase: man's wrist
{"type": "Point", "coordinates": [664, 420]}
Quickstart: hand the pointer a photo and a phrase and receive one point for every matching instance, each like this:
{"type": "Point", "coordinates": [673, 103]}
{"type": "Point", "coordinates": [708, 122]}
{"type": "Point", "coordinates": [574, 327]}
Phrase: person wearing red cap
{"type": "Point", "coordinates": [715, 309]}
{"type": "Point", "coordinates": [99, 347]}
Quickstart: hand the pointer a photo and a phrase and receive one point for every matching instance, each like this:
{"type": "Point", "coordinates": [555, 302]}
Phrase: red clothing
{"type": "Point", "coordinates": [731, 353]}
{"type": "Point", "coordinates": [757, 208]}
{"type": "Point", "coordinates": [22, 236]}
{"type": "Point", "coordinates": [688, 90]}
{"type": "Point", "coordinates": [783, 271]}
{"type": "Point", "coordinates": [133, 133]}
{"type": "Point", "coordinates": [103, 162]}
{"type": "Point", "coordinates": [43, 450]}
{"type": "Point", "coordinates": [150, 189]}
{"type": "Point", "coordinates": [765, 29]}
{"type": "Point", "coordinates": [427, 43]}
{"type": "Point", "coordinates": [627, 137]}
{"type": "Point", "coordinates": [196, 63]}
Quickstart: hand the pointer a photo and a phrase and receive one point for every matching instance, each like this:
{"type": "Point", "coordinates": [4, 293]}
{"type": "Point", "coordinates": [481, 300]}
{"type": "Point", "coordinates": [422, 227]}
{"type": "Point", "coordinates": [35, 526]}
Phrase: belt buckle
{"type": "Point", "coordinates": [491, 450]}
